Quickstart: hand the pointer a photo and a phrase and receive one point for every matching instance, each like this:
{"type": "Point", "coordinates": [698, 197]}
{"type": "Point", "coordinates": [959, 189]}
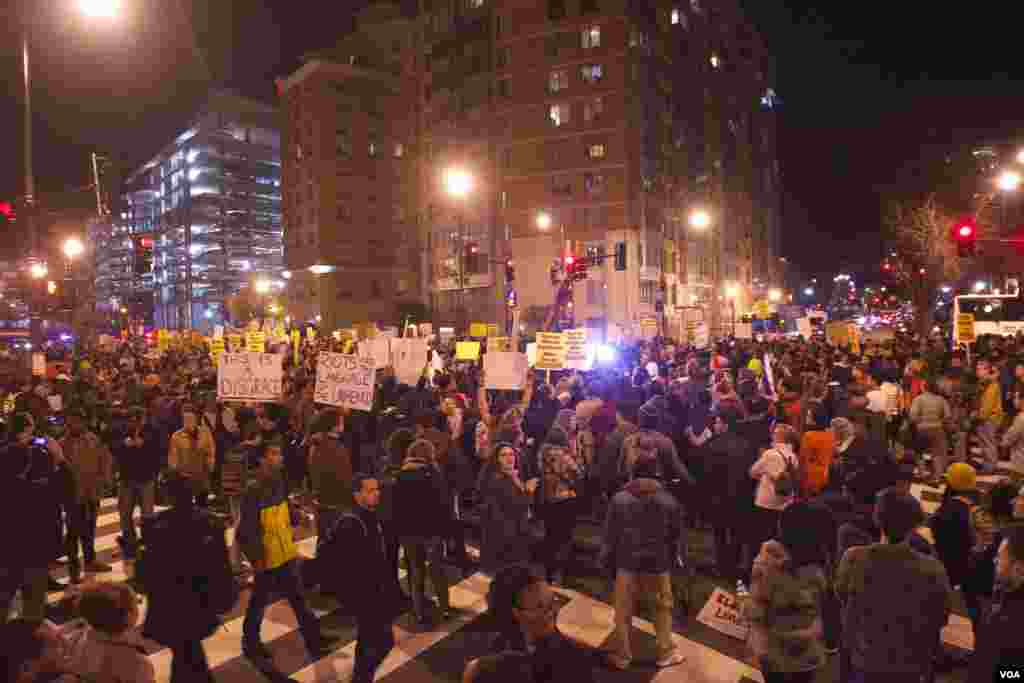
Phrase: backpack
{"type": "Point", "coordinates": [787, 484]}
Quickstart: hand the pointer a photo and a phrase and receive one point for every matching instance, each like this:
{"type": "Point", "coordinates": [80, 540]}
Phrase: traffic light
{"type": "Point", "coordinates": [142, 262]}
{"type": "Point", "coordinates": [469, 258]}
{"type": "Point", "coordinates": [965, 234]}
{"type": "Point", "coordinates": [510, 271]}
{"type": "Point", "coordinates": [620, 256]}
{"type": "Point", "coordinates": [575, 269]}
{"type": "Point", "coordinates": [6, 213]}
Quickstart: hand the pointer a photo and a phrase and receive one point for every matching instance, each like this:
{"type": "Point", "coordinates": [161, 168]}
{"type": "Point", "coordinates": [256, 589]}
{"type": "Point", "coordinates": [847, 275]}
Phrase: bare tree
{"type": "Point", "coordinates": [922, 255]}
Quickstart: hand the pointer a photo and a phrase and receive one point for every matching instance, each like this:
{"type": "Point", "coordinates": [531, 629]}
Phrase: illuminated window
{"type": "Point", "coordinates": [592, 109]}
{"type": "Point", "coordinates": [558, 114]}
{"type": "Point", "coordinates": [591, 73]}
{"type": "Point", "coordinates": [675, 16]}
{"type": "Point", "coordinates": [716, 61]}
{"type": "Point", "coordinates": [399, 150]}
{"type": "Point", "coordinates": [371, 148]}
{"type": "Point", "coordinates": [558, 80]}
{"type": "Point", "coordinates": [595, 151]}
{"type": "Point", "coordinates": [592, 37]}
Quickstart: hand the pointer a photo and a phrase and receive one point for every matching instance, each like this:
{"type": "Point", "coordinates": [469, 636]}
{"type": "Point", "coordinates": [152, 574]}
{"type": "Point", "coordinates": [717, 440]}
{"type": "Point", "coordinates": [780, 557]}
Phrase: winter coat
{"type": "Point", "coordinates": [560, 473]}
{"type": "Point", "coordinates": [265, 531]}
{"type": "Point", "coordinates": [33, 487]}
{"type": "Point", "coordinates": [768, 468]}
{"type": "Point", "coordinates": [999, 645]}
{"type": "Point", "coordinates": [643, 528]}
{"type": "Point", "coordinates": [668, 457]}
{"type": "Point", "coordinates": [895, 603]}
{"type": "Point", "coordinates": [816, 451]}
{"type": "Point", "coordinates": [726, 484]}
{"type": "Point", "coordinates": [954, 537]}
{"type": "Point", "coordinates": [138, 464]}
{"type": "Point", "coordinates": [91, 464]}
{"type": "Point", "coordinates": [192, 456]}
{"type": "Point", "coordinates": [784, 611]}
{"type": "Point", "coordinates": [330, 471]}
{"type": "Point", "coordinates": [113, 659]}
{"type": "Point", "coordinates": [504, 522]}
{"type": "Point", "coordinates": [354, 549]}
{"type": "Point", "coordinates": [421, 506]}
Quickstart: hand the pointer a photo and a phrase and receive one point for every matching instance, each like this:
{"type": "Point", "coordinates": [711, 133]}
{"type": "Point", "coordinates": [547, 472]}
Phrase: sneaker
{"type": "Point", "coordinates": [97, 567]}
{"type": "Point", "coordinates": [672, 659]}
{"type": "Point", "coordinates": [256, 651]}
{"type": "Point", "coordinates": [55, 586]}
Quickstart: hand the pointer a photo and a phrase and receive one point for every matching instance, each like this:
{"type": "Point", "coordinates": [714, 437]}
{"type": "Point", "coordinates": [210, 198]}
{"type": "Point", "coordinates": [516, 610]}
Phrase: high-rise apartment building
{"type": "Point", "coordinates": [200, 222]}
{"type": "Point", "coordinates": [584, 127]}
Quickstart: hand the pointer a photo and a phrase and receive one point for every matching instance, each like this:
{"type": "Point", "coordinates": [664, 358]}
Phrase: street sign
{"type": "Point", "coordinates": [965, 328]}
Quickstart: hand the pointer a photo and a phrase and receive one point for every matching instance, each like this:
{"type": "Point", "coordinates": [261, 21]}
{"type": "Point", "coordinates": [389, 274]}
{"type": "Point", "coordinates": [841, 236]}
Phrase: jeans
{"type": "Point", "coordinates": [419, 552]}
{"type": "Point", "coordinates": [281, 581]}
{"type": "Point", "coordinates": [374, 641]}
{"type": "Point", "coordinates": [727, 551]}
{"type": "Point", "coordinates": [235, 551]}
{"type": "Point", "coordinates": [630, 587]}
{"type": "Point", "coordinates": [559, 521]}
{"type": "Point", "coordinates": [32, 584]}
{"type": "Point", "coordinates": [189, 664]}
{"type": "Point", "coordinates": [989, 445]}
{"type": "Point", "coordinates": [130, 495]}
{"type": "Point", "coordinates": [81, 531]}
{"type": "Point", "coordinates": [934, 439]}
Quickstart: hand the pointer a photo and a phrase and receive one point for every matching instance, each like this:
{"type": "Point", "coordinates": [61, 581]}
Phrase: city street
{"type": "Point", "coordinates": [440, 654]}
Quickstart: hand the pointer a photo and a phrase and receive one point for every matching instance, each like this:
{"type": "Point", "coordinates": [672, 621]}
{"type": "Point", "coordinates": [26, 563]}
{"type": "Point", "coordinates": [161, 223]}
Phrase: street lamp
{"type": "Point", "coordinates": [1008, 181]}
{"type": "Point", "coordinates": [38, 270]}
{"type": "Point", "coordinates": [262, 286]}
{"type": "Point", "coordinates": [774, 295]}
{"type": "Point", "coordinates": [73, 248]}
{"type": "Point", "coordinates": [979, 286]}
{"type": "Point", "coordinates": [544, 220]}
{"type": "Point", "coordinates": [100, 9]}
{"type": "Point", "coordinates": [700, 219]}
{"type": "Point", "coordinates": [808, 291]}
{"type": "Point", "coordinates": [458, 182]}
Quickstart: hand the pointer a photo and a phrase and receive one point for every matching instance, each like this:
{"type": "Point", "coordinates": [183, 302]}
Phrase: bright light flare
{"type": "Point", "coordinates": [774, 295]}
{"type": "Point", "coordinates": [38, 270]}
{"type": "Point", "coordinates": [458, 182]}
{"type": "Point", "coordinates": [700, 219]}
{"type": "Point", "coordinates": [979, 286]}
{"type": "Point", "coordinates": [73, 247]}
{"type": "Point", "coordinates": [100, 9]}
{"type": "Point", "coordinates": [605, 354]}
{"type": "Point", "coordinates": [1008, 181]}
{"type": "Point", "coordinates": [544, 220]}
{"type": "Point", "coordinates": [262, 286]}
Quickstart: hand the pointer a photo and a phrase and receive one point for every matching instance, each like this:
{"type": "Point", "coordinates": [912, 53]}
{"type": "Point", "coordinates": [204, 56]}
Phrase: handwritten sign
{"type": "Point", "coordinates": [551, 349]}
{"type": "Point", "coordinates": [249, 377]}
{"type": "Point", "coordinates": [216, 349]}
{"type": "Point", "coordinates": [505, 369]}
{"type": "Point", "coordinates": [478, 330]}
{"type": "Point", "coordinates": [39, 364]}
{"type": "Point", "coordinates": [576, 349]}
{"type": "Point", "coordinates": [377, 349]}
{"type": "Point", "coordinates": [409, 357]}
{"type": "Point", "coordinates": [722, 613]}
{"type": "Point", "coordinates": [344, 381]}
{"type": "Point", "coordinates": [467, 350]}
{"type": "Point", "coordinates": [499, 344]}
{"type": "Point", "coordinates": [256, 342]}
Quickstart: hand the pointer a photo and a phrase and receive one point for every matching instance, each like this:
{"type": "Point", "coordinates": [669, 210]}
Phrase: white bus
{"type": "Point", "coordinates": [1001, 314]}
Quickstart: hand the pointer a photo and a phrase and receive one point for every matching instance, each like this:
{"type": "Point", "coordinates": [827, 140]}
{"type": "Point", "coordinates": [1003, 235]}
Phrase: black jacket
{"type": "Point", "coordinates": [354, 559]}
{"type": "Point", "coordinates": [420, 505]}
{"type": "Point", "coordinates": [727, 483]}
{"type": "Point", "coordinates": [32, 489]}
{"type": "Point", "coordinates": [999, 645]}
{"type": "Point", "coordinates": [142, 464]}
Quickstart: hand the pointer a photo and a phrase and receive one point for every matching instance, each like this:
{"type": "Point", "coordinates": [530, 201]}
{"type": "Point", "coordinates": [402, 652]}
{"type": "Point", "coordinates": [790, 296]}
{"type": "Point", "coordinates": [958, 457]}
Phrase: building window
{"type": "Point", "coordinates": [399, 150]}
{"type": "Point", "coordinates": [504, 88]}
{"type": "Point", "coordinates": [715, 60]}
{"type": "Point", "coordinates": [558, 114]}
{"type": "Point", "coordinates": [591, 73]}
{"type": "Point", "coordinates": [556, 10]}
{"type": "Point", "coordinates": [646, 291]}
{"type": "Point", "coordinates": [476, 4]}
{"type": "Point", "coordinates": [371, 148]}
{"type": "Point", "coordinates": [591, 37]}
{"type": "Point", "coordinates": [595, 151]}
{"type": "Point", "coordinates": [504, 57]}
{"type": "Point", "coordinates": [593, 184]}
{"type": "Point", "coordinates": [561, 186]}
{"type": "Point", "coordinates": [592, 109]}
{"type": "Point", "coordinates": [558, 80]}
{"type": "Point", "coordinates": [503, 199]}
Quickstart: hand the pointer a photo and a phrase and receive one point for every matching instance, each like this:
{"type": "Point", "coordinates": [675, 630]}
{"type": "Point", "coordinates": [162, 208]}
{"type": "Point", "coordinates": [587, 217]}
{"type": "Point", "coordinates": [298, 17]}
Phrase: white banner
{"type": "Point", "coordinates": [505, 369]}
{"type": "Point", "coordinates": [344, 380]}
{"type": "Point", "coordinates": [722, 613]}
{"type": "Point", "coordinates": [576, 349]}
{"type": "Point", "coordinates": [803, 326]}
{"type": "Point", "coordinates": [701, 336]}
{"type": "Point", "coordinates": [409, 357]}
{"type": "Point", "coordinates": [377, 349]}
{"type": "Point", "coordinates": [249, 377]}
{"type": "Point", "coordinates": [744, 331]}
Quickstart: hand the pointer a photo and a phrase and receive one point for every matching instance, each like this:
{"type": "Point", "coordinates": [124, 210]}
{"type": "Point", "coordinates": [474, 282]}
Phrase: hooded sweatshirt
{"type": "Point", "coordinates": [643, 528]}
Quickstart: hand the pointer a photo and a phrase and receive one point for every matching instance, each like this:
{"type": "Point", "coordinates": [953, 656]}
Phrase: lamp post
{"type": "Point", "coordinates": [73, 248]}
{"type": "Point", "coordinates": [262, 287]}
{"type": "Point", "coordinates": [458, 184]}
{"type": "Point", "coordinates": [731, 292]}
{"type": "Point", "coordinates": [701, 220]}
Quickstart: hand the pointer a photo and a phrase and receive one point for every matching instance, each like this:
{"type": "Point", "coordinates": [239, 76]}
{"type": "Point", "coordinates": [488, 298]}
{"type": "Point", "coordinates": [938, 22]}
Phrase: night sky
{"type": "Point", "coordinates": [865, 88]}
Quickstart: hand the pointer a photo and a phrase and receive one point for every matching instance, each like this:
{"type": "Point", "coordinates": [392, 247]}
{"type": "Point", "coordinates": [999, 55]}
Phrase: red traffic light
{"type": "Point", "coordinates": [965, 231]}
{"type": "Point", "coordinates": [569, 260]}
{"type": "Point", "coordinates": [7, 209]}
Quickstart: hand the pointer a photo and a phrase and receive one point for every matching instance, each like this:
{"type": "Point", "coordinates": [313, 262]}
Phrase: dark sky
{"type": "Point", "coordinates": [865, 88]}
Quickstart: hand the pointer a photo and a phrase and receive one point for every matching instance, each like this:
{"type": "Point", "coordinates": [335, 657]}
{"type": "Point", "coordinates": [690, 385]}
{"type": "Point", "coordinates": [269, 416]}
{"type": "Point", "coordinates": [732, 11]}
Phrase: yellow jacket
{"type": "Point", "coordinates": [990, 407]}
{"type": "Point", "coordinates": [192, 456]}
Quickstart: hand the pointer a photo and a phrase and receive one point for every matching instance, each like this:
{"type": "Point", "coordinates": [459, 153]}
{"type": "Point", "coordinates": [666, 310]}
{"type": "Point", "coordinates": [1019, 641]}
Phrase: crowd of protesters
{"type": "Point", "coordinates": [806, 464]}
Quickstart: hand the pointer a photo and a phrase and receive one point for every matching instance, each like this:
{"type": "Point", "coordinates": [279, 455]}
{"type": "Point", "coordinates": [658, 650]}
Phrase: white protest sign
{"type": "Point", "coordinates": [377, 349]}
{"type": "Point", "coordinates": [409, 356]}
{"type": "Point", "coordinates": [576, 349]}
{"type": "Point", "coordinates": [722, 613]}
{"type": "Point", "coordinates": [744, 331]}
{"type": "Point", "coordinates": [701, 336]}
{"type": "Point", "coordinates": [426, 329]}
{"type": "Point", "coordinates": [390, 332]}
{"type": "Point", "coordinates": [447, 334]}
{"type": "Point", "coordinates": [39, 364]}
{"type": "Point", "coordinates": [249, 376]}
{"type": "Point", "coordinates": [344, 381]}
{"type": "Point", "coordinates": [803, 326]}
{"type": "Point", "coordinates": [531, 353]}
{"type": "Point", "coordinates": [505, 369]}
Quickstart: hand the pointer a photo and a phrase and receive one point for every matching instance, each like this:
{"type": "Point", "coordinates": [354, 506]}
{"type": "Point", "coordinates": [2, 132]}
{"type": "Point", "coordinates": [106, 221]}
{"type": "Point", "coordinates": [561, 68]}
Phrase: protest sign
{"type": "Point", "coordinates": [701, 336]}
{"type": "Point", "coordinates": [409, 357]}
{"type": "Point", "coordinates": [744, 331]}
{"type": "Point", "coordinates": [722, 613]}
{"type": "Point", "coordinates": [478, 330]}
{"type": "Point", "coordinates": [344, 381]}
{"type": "Point", "coordinates": [803, 326]}
{"type": "Point", "coordinates": [216, 349]}
{"type": "Point", "coordinates": [550, 351]}
{"type": "Point", "coordinates": [39, 364]}
{"type": "Point", "coordinates": [390, 332]}
{"type": "Point", "coordinates": [249, 377]}
{"type": "Point", "coordinates": [467, 350]}
{"type": "Point", "coordinates": [505, 369]}
{"type": "Point", "coordinates": [649, 328]}
{"type": "Point", "coordinates": [531, 354]}
{"type": "Point", "coordinates": [499, 344]}
{"type": "Point", "coordinates": [426, 329]}
{"type": "Point", "coordinates": [377, 349]}
{"type": "Point", "coordinates": [492, 330]}
{"type": "Point", "coordinates": [837, 333]}
{"type": "Point", "coordinates": [576, 349]}
{"type": "Point", "coordinates": [447, 334]}
{"type": "Point", "coordinates": [256, 342]}
{"type": "Point", "coordinates": [218, 331]}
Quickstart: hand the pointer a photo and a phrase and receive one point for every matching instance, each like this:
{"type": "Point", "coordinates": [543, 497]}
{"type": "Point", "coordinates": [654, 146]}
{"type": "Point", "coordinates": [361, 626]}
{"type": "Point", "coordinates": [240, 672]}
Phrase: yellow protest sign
{"type": "Point", "coordinates": [469, 350]}
{"type": "Point", "coordinates": [296, 346]}
{"type": "Point", "coordinates": [649, 328]}
{"type": "Point", "coordinates": [478, 330]}
{"type": "Point", "coordinates": [216, 348]}
{"type": "Point", "coordinates": [234, 343]}
{"type": "Point", "coordinates": [163, 339]}
{"type": "Point", "coordinates": [499, 344]}
{"type": "Point", "coordinates": [310, 333]}
{"type": "Point", "coordinates": [255, 342]}
{"type": "Point", "coordinates": [492, 330]}
{"type": "Point", "coordinates": [965, 328]}
{"type": "Point", "coordinates": [551, 349]}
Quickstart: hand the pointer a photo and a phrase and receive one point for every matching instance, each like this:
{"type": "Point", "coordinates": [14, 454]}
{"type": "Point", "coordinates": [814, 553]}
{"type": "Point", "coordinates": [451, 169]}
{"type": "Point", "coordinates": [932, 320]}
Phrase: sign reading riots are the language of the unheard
{"type": "Point", "coordinates": [344, 380]}
{"type": "Point", "coordinates": [249, 377]}
{"type": "Point", "coordinates": [722, 613]}
{"type": "Point", "coordinates": [551, 349]}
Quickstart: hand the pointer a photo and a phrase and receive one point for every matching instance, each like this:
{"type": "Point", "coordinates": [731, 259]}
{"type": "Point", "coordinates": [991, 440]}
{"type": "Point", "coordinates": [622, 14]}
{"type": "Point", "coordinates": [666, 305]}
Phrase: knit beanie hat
{"type": "Point", "coordinates": [961, 477]}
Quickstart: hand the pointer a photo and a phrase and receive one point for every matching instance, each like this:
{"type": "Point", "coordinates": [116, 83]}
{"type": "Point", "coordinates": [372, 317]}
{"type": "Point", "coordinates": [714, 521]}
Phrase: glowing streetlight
{"type": "Point", "coordinates": [543, 220]}
{"type": "Point", "coordinates": [73, 247]}
{"type": "Point", "coordinates": [808, 291]}
{"type": "Point", "coordinates": [732, 291]}
{"type": "Point", "coordinates": [262, 286]}
{"type": "Point", "coordinates": [100, 9]}
{"type": "Point", "coordinates": [774, 295]}
{"type": "Point", "coordinates": [946, 289]}
{"type": "Point", "coordinates": [458, 182]}
{"type": "Point", "coordinates": [51, 287]}
{"type": "Point", "coordinates": [1009, 181]}
{"type": "Point", "coordinates": [38, 270]}
{"type": "Point", "coordinates": [1020, 157]}
{"type": "Point", "coordinates": [700, 219]}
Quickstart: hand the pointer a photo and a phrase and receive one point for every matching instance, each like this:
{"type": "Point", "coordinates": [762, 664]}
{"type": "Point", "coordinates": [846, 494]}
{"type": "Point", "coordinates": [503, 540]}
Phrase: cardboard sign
{"type": "Point", "coordinates": [234, 343]}
{"type": "Point", "coordinates": [505, 369]}
{"type": "Point", "coordinates": [409, 357]}
{"type": "Point", "coordinates": [478, 330]}
{"type": "Point", "coordinates": [965, 328]}
{"type": "Point", "coordinates": [837, 334]}
{"type": "Point", "coordinates": [649, 328]}
{"type": "Point", "coordinates": [256, 342]}
{"type": "Point", "coordinates": [701, 336]}
{"type": "Point", "coordinates": [467, 350]}
{"type": "Point", "coordinates": [551, 348]}
{"type": "Point", "coordinates": [39, 364]}
{"type": "Point", "coordinates": [249, 377]}
{"type": "Point", "coordinates": [378, 350]}
{"type": "Point", "coordinates": [803, 326]}
{"type": "Point", "coordinates": [492, 330]}
{"type": "Point", "coordinates": [744, 331]}
{"type": "Point", "coordinates": [576, 349]}
{"type": "Point", "coordinates": [722, 613]}
{"type": "Point", "coordinates": [499, 344]}
{"type": "Point", "coordinates": [344, 381]}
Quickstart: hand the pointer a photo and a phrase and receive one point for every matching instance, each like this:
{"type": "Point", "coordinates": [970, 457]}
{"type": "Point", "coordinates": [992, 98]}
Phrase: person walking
{"type": "Point", "coordinates": [137, 456]}
{"type": "Point", "coordinates": [778, 482]}
{"type": "Point", "coordinates": [505, 510]}
{"type": "Point", "coordinates": [191, 453]}
{"type": "Point", "coordinates": [998, 646]}
{"type": "Point", "coordinates": [92, 469]}
{"type": "Point", "coordinates": [930, 415]}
